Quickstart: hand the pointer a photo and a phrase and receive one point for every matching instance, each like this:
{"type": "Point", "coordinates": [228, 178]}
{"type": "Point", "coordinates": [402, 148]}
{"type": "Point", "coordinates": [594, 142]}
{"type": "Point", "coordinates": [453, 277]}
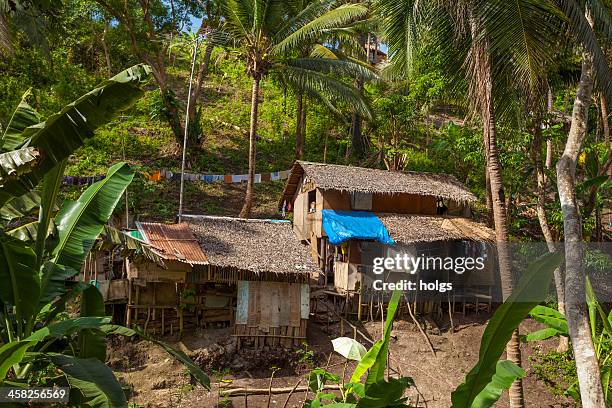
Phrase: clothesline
{"type": "Point", "coordinates": [206, 178]}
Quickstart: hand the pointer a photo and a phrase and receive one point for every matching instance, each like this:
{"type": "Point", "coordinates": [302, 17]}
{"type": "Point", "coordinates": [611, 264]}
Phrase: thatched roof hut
{"type": "Point", "coordinates": [366, 180]}
{"type": "Point", "coordinates": [258, 246]}
{"type": "Point", "coordinates": [409, 229]}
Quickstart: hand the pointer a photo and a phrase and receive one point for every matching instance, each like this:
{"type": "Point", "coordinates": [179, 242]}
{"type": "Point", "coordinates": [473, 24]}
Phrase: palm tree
{"type": "Point", "coordinates": [500, 44]}
{"type": "Point", "coordinates": [271, 37]}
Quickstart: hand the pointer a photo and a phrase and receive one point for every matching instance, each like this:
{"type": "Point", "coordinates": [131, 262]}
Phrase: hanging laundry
{"type": "Point", "coordinates": [155, 176]}
{"type": "Point", "coordinates": [257, 178]}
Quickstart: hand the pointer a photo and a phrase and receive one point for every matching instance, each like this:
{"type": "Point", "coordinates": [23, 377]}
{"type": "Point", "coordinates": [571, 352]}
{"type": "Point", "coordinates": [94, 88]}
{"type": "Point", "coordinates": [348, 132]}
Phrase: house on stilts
{"type": "Point", "coordinates": [349, 216]}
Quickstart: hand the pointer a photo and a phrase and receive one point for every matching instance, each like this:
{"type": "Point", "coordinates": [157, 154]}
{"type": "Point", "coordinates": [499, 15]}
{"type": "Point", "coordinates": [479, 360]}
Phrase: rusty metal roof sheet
{"type": "Point", "coordinates": [173, 242]}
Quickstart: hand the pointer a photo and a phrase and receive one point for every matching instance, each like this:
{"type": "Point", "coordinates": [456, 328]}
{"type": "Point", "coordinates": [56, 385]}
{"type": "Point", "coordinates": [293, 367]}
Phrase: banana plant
{"type": "Point", "coordinates": [375, 391]}
{"type": "Point", "coordinates": [487, 380]}
{"type": "Point", "coordinates": [38, 259]}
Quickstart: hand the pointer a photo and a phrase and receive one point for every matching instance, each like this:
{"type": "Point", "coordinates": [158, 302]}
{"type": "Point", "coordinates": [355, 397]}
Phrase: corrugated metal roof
{"type": "Point", "coordinates": [173, 242]}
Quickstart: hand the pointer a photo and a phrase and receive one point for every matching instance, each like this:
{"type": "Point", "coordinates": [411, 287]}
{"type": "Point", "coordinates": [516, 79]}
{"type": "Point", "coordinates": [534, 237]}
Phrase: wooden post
{"type": "Point", "coordinates": [181, 321]}
{"type": "Point", "coordinates": [128, 311]}
{"type": "Point", "coordinates": [360, 297]}
{"type": "Point", "coordinates": [162, 322]}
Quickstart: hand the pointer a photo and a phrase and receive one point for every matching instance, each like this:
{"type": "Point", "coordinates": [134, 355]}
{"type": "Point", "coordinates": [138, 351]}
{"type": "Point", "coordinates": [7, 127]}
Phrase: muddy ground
{"type": "Point", "coordinates": [155, 380]}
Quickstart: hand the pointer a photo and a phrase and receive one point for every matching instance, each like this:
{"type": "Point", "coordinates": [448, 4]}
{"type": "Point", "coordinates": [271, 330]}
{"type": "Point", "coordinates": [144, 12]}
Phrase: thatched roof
{"type": "Point", "coordinates": [366, 180]}
{"type": "Point", "coordinates": [260, 246]}
{"type": "Point", "coordinates": [173, 242]}
{"type": "Point", "coordinates": [421, 228]}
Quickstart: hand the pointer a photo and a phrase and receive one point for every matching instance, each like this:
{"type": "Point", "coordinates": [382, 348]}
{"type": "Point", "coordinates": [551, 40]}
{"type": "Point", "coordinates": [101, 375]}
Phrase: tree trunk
{"type": "Point", "coordinates": [513, 350]}
{"type": "Point", "coordinates": [606, 128]}
{"type": "Point", "coordinates": [482, 88]}
{"type": "Point", "coordinates": [201, 75]}
{"type": "Point", "coordinates": [248, 199]}
{"type": "Point", "coordinates": [587, 366]}
{"type": "Point", "coordinates": [109, 67]}
{"type": "Point", "coordinates": [356, 138]}
{"type": "Point", "coordinates": [300, 126]}
{"type": "Point", "coordinates": [541, 188]}
{"type": "Point", "coordinates": [173, 117]}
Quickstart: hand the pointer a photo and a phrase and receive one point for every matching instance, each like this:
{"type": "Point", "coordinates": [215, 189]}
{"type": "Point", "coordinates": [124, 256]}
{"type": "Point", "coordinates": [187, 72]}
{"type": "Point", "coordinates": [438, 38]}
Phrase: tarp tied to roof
{"type": "Point", "coordinates": [341, 226]}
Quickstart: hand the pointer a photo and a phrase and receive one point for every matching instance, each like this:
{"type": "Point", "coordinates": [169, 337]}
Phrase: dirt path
{"type": "Point", "coordinates": [157, 381]}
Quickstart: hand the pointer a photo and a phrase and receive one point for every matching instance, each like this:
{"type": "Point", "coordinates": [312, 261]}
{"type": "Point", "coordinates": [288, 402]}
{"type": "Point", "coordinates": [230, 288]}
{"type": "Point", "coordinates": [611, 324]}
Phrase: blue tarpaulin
{"type": "Point", "coordinates": [340, 226]}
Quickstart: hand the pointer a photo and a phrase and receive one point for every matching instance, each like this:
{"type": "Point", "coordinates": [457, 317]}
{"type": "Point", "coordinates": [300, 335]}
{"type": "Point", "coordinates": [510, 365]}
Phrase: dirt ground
{"type": "Point", "coordinates": [155, 380]}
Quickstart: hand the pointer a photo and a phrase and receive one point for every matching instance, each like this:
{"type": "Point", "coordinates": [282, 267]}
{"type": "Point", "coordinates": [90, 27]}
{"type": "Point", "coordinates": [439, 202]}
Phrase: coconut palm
{"type": "Point", "coordinates": [271, 38]}
{"type": "Point", "coordinates": [502, 47]}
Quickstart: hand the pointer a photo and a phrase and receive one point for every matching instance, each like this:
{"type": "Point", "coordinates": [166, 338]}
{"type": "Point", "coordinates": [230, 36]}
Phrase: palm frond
{"type": "Point", "coordinates": [585, 36]}
{"type": "Point", "coordinates": [315, 84]}
{"type": "Point", "coordinates": [312, 30]}
{"type": "Point", "coordinates": [399, 21]}
{"type": "Point", "coordinates": [522, 34]}
{"type": "Point", "coordinates": [339, 67]}
{"type": "Point", "coordinates": [238, 15]}
{"type": "Point", "coordinates": [603, 19]}
{"type": "Point", "coordinates": [303, 17]}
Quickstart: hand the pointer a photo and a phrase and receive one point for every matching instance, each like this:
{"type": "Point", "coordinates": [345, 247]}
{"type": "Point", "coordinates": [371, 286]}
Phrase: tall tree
{"type": "Point", "coordinates": [267, 35]}
{"type": "Point", "coordinates": [148, 25]}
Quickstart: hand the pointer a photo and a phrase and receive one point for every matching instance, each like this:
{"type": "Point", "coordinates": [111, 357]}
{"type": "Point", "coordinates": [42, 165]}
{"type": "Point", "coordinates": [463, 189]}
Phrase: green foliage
{"type": "Point", "coordinates": [37, 268]}
{"type": "Point", "coordinates": [556, 370]}
{"type": "Point", "coordinates": [529, 292]}
{"type": "Point", "coordinates": [600, 322]}
{"type": "Point", "coordinates": [375, 392]}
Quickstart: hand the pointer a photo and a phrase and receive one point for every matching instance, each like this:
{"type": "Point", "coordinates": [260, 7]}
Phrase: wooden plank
{"type": "Point", "coordinates": [253, 316]}
{"type": "Point", "coordinates": [274, 304]}
{"type": "Point", "coordinates": [304, 301]}
{"type": "Point", "coordinates": [283, 319]}
{"type": "Point", "coordinates": [242, 307]}
{"type": "Point", "coordinates": [294, 304]}
{"type": "Point", "coordinates": [265, 306]}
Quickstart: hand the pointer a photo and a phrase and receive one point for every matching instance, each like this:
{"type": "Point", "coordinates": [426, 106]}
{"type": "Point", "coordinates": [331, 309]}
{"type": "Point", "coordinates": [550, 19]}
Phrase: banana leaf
{"type": "Point", "coordinates": [550, 317]}
{"type": "Point", "coordinates": [12, 353]}
{"type": "Point", "coordinates": [23, 117]}
{"type": "Point", "coordinates": [69, 326]}
{"type": "Point", "coordinates": [92, 341]}
{"type": "Point", "coordinates": [20, 282]}
{"type": "Point", "coordinates": [93, 380]}
{"type": "Point", "coordinates": [27, 232]}
{"type": "Point", "coordinates": [62, 133]}
{"type": "Point", "coordinates": [18, 207]}
{"type": "Point", "coordinates": [530, 291]}
{"type": "Point", "coordinates": [53, 283]}
{"type": "Point", "coordinates": [15, 163]}
{"type": "Point", "coordinates": [111, 238]}
{"type": "Point", "coordinates": [79, 223]}
{"type": "Point", "coordinates": [506, 372]}
{"type": "Point", "coordinates": [375, 359]}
